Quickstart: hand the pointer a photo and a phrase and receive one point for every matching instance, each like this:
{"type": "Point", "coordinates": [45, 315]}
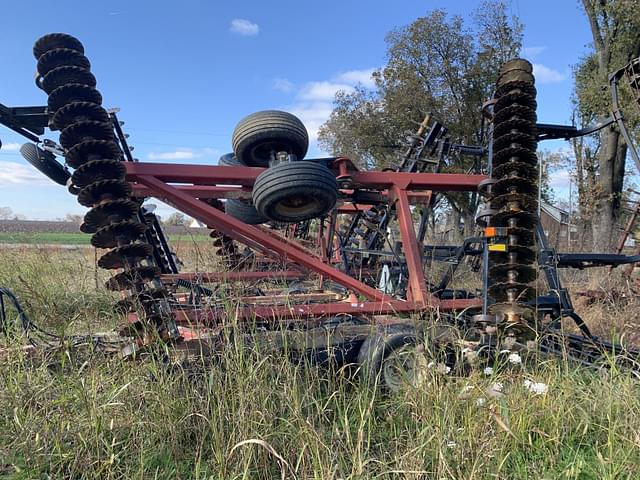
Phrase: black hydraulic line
{"type": "Point", "coordinates": [3, 316]}
{"type": "Point", "coordinates": [25, 321]}
{"type": "Point", "coordinates": [548, 131]}
{"type": "Point", "coordinates": [614, 80]}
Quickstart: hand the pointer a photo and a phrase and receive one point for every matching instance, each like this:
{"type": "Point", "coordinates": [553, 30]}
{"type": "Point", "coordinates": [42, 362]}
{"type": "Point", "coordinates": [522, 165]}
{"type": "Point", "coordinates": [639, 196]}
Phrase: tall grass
{"type": "Point", "coordinates": [84, 415]}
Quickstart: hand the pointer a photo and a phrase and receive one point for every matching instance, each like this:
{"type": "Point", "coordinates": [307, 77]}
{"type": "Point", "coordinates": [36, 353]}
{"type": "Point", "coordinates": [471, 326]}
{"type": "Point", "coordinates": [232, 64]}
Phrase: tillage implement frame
{"type": "Point", "coordinates": [341, 249]}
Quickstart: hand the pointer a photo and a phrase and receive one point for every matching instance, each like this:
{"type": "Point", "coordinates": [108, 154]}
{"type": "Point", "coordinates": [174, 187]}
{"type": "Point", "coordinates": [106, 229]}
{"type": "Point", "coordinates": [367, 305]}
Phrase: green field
{"type": "Point", "coordinates": [76, 238]}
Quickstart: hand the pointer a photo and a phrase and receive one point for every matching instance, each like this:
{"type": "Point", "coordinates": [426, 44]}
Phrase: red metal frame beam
{"type": "Point", "coordinates": [418, 291]}
{"type": "Point", "coordinates": [284, 312]}
{"type": "Point", "coordinates": [287, 312]}
{"type": "Point", "coordinates": [199, 191]}
{"type": "Point", "coordinates": [216, 191]}
{"type": "Point", "coordinates": [245, 176]}
{"type": "Point", "coordinates": [349, 208]}
{"type": "Point", "coordinates": [151, 180]}
{"type": "Point", "coordinates": [455, 182]}
{"type": "Point", "coordinates": [252, 236]}
{"type": "Point", "coordinates": [213, 277]}
{"type": "Point", "coordinates": [194, 174]}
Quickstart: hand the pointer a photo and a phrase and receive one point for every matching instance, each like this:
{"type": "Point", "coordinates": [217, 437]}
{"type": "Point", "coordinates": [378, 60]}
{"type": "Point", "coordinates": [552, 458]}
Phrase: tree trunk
{"type": "Point", "coordinates": [604, 21]}
{"type": "Point", "coordinates": [611, 163]}
{"type": "Point", "coordinates": [469, 220]}
{"type": "Point", "coordinates": [453, 226]}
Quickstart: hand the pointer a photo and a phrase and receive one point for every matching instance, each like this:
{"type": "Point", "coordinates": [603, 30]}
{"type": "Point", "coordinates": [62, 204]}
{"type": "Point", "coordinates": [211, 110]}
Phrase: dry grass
{"type": "Point", "coordinates": [74, 415]}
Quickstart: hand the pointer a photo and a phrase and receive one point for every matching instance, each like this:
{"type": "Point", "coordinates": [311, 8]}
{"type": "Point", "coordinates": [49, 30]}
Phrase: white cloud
{"type": "Point", "coordinates": [183, 154]}
{"type": "Point", "coordinates": [175, 155]}
{"type": "Point", "coordinates": [313, 115]}
{"type": "Point", "coordinates": [11, 147]}
{"type": "Point", "coordinates": [532, 51]}
{"type": "Point", "coordinates": [560, 179]}
{"type": "Point", "coordinates": [354, 77]}
{"type": "Point", "coordinates": [13, 173]}
{"type": "Point", "coordinates": [244, 27]}
{"type": "Point", "coordinates": [283, 85]}
{"type": "Point", "coordinates": [322, 91]}
{"type": "Point", "coordinates": [545, 74]}
{"type": "Point", "coordinates": [313, 101]}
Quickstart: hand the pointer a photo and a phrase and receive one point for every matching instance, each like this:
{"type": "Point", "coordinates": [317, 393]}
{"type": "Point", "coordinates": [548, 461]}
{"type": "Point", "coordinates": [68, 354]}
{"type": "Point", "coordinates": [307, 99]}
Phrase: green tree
{"type": "Point", "coordinates": [176, 218]}
{"type": "Point", "coordinates": [600, 160]}
{"type": "Point", "coordinates": [551, 162]}
{"type": "Point", "coordinates": [6, 213]}
{"type": "Point", "coordinates": [440, 64]}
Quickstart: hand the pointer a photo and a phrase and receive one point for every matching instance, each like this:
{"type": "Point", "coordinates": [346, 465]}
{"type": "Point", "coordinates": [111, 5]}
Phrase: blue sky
{"type": "Point", "coordinates": [183, 73]}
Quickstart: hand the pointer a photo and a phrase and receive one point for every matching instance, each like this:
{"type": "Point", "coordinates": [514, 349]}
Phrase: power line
{"type": "Point", "coordinates": [134, 143]}
{"type": "Point", "coordinates": [182, 132]}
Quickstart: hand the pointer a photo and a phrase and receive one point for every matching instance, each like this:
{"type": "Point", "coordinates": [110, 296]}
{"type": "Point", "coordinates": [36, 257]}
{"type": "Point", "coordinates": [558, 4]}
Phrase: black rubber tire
{"type": "Point", "coordinates": [229, 160]}
{"type": "Point", "coordinates": [295, 191]}
{"type": "Point", "coordinates": [378, 346]}
{"type": "Point", "coordinates": [242, 210]}
{"type": "Point", "coordinates": [337, 355]}
{"type": "Point", "coordinates": [438, 351]}
{"type": "Point", "coordinates": [260, 133]}
{"type": "Point", "coordinates": [245, 212]}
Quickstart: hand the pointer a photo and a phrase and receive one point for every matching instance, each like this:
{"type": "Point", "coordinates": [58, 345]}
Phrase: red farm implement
{"type": "Point", "coordinates": [341, 250]}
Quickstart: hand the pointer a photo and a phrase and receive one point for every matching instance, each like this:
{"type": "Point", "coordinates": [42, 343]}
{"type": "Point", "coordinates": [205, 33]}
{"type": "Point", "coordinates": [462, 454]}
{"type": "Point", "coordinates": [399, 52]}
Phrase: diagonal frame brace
{"type": "Point", "coordinates": [253, 237]}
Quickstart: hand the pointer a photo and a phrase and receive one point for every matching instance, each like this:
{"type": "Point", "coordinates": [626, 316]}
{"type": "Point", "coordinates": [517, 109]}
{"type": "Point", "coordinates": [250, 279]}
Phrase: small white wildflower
{"type": "Point", "coordinates": [509, 342]}
{"type": "Point", "coordinates": [471, 356]}
{"type": "Point", "coordinates": [537, 388]}
{"type": "Point", "coordinates": [443, 369]}
{"type": "Point", "coordinates": [488, 371]}
{"type": "Point", "coordinates": [466, 392]}
{"type": "Point", "coordinates": [514, 358]}
{"type": "Point", "coordinates": [480, 402]}
{"type": "Point", "coordinates": [495, 390]}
